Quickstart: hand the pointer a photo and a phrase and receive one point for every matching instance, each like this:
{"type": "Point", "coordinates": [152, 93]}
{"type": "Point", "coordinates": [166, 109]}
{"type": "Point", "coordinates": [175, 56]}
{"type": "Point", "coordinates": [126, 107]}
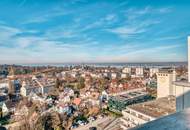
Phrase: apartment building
{"type": "Point", "coordinates": [153, 71]}
{"type": "Point", "coordinates": [37, 85]}
{"type": "Point", "coordinates": [138, 114]}
{"type": "Point", "coordinates": [126, 70]}
{"type": "Point", "coordinates": [139, 72]}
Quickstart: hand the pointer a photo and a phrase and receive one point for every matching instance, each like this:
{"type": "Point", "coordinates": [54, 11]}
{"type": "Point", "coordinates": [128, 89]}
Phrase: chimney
{"type": "Point", "coordinates": [188, 58]}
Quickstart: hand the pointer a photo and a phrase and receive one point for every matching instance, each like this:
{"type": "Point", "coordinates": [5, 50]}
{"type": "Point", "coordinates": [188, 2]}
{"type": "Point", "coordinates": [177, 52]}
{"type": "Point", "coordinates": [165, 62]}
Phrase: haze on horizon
{"type": "Point", "coordinates": [81, 31]}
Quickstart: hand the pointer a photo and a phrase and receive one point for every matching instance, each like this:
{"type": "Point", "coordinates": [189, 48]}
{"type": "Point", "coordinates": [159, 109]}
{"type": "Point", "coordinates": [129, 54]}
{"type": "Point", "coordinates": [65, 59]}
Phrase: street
{"type": "Point", "coordinates": [94, 123]}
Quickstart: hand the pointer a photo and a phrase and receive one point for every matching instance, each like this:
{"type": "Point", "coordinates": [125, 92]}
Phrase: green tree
{"type": "Point", "coordinates": [1, 113]}
{"type": "Point", "coordinates": [49, 121]}
{"type": "Point", "coordinates": [57, 83]}
{"type": "Point", "coordinates": [81, 83]}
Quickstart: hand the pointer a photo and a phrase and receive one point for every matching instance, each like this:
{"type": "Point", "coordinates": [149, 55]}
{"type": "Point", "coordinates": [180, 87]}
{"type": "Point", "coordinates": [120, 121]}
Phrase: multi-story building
{"type": "Point", "coordinates": [139, 72]}
{"type": "Point", "coordinates": [114, 75]}
{"type": "Point", "coordinates": [4, 85]}
{"type": "Point", "coordinates": [164, 105]}
{"type": "Point", "coordinates": [37, 85]}
{"type": "Point", "coordinates": [126, 70]}
{"type": "Point", "coordinates": [123, 75]}
{"type": "Point", "coordinates": [138, 114]}
{"type": "Point", "coordinates": [46, 84]}
{"type": "Point", "coordinates": [30, 86]}
{"type": "Point", "coordinates": [182, 88]}
{"type": "Point", "coordinates": [165, 85]}
{"type": "Point", "coordinates": [119, 102]}
{"type": "Point", "coordinates": [153, 71]}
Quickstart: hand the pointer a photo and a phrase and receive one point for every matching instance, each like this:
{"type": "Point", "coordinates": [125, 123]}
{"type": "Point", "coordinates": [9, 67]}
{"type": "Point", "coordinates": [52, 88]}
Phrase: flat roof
{"type": "Point", "coordinates": [156, 108]}
{"type": "Point", "coordinates": [166, 70]}
{"type": "Point", "coordinates": [130, 95]}
{"type": "Point", "coordinates": [176, 121]}
{"type": "Point", "coordinates": [182, 83]}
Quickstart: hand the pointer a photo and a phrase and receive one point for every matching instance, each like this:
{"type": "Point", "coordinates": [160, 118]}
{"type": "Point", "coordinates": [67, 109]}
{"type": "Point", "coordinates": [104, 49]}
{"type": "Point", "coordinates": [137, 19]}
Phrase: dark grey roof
{"type": "Point", "coordinates": [3, 98]}
{"type": "Point", "coordinates": [10, 104]}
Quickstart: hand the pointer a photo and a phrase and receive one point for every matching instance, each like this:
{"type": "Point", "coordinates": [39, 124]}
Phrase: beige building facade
{"type": "Point", "coordinates": [165, 79]}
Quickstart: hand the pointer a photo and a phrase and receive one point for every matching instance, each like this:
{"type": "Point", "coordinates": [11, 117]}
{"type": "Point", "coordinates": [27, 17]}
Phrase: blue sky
{"type": "Point", "coordinates": [59, 31]}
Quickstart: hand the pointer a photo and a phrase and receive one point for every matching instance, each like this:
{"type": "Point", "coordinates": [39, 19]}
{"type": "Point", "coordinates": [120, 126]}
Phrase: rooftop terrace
{"type": "Point", "coordinates": [156, 108]}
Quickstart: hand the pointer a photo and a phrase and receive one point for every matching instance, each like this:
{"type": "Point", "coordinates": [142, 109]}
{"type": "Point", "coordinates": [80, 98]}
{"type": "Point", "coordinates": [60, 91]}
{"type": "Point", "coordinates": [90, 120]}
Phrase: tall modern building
{"type": "Point", "coordinates": [167, 85]}
{"type": "Point", "coordinates": [182, 88]}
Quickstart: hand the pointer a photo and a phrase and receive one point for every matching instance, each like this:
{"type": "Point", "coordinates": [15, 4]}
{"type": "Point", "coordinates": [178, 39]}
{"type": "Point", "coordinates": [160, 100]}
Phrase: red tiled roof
{"type": "Point", "coordinates": [77, 101]}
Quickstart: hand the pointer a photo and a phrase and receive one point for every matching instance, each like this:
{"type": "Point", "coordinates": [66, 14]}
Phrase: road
{"type": "Point", "coordinates": [94, 123]}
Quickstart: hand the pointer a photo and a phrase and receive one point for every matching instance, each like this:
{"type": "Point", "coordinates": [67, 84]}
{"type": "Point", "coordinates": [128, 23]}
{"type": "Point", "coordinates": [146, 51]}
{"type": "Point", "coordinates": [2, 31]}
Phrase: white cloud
{"type": "Point", "coordinates": [93, 25]}
{"type": "Point", "coordinates": [153, 49]}
{"type": "Point", "coordinates": [65, 32]}
{"type": "Point", "coordinates": [6, 33]}
{"type": "Point", "coordinates": [110, 17]}
{"type": "Point", "coordinates": [136, 21]}
{"type": "Point", "coordinates": [48, 47]}
{"type": "Point", "coordinates": [168, 38]}
{"type": "Point", "coordinates": [47, 16]}
{"type": "Point", "coordinates": [165, 10]}
{"type": "Point", "coordinates": [147, 10]}
{"type": "Point", "coordinates": [138, 54]}
{"type": "Point", "coordinates": [126, 30]}
{"type": "Point", "coordinates": [10, 31]}
{"type": "Point", "coordinates": [40, 48]}
{"type": "Point", "coordinates": [100, 22]}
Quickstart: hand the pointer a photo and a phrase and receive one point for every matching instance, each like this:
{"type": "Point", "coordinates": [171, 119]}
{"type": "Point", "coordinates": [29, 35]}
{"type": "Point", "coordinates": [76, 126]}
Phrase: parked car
{"type": "Point", "coordinates": [92, 128]}
{"type": "Point", "coordinates": [91, 118]}
{"type": "Point", "coordinates": [74, 125]}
